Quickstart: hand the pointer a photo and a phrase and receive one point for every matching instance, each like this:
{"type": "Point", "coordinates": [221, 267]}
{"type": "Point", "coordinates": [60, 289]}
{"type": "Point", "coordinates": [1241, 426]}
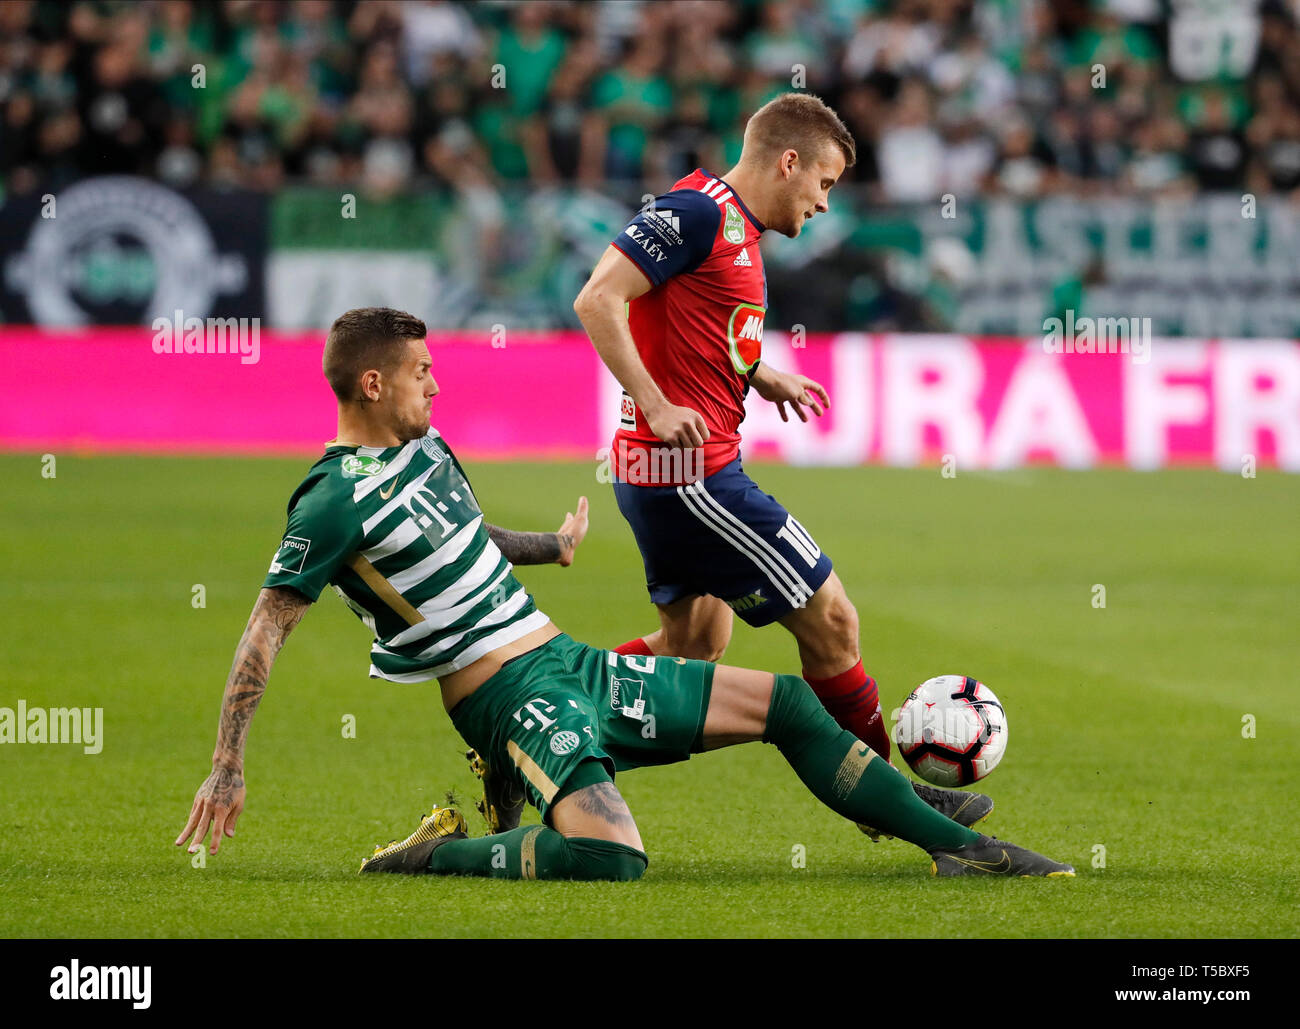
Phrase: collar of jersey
{"type": "Point", "coordinates": [736, 197]}
{"type": "Point", "coordinates": [373, 451]}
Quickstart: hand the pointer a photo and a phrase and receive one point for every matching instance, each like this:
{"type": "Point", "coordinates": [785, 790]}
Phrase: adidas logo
{"type": "Point", "coordinates": [743, 261]}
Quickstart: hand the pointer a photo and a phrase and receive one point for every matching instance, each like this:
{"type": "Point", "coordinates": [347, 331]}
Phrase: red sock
{"type": "Point", "coordinates": [636, 646]}
{"type": "Point", "coordinates": [853, 700]}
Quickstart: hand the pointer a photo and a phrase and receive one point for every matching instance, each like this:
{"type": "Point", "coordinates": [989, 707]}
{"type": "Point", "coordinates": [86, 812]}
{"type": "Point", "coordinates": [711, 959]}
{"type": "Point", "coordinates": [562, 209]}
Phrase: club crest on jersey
{"type": "Point", "coordinates": [354, 465]}
{"type": "Point", "coordinates": [734, 229]}
{"type": "Point", "coordinates": [745, 336]}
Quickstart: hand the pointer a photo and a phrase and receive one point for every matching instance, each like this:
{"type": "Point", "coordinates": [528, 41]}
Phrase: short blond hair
{"type": "Point", "coordinates": [800, 122]}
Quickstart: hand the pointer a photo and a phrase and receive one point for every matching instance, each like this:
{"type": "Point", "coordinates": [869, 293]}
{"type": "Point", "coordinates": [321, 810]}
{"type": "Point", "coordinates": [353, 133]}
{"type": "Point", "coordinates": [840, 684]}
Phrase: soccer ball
{"type": "Point", "coordinates": [951, 730]}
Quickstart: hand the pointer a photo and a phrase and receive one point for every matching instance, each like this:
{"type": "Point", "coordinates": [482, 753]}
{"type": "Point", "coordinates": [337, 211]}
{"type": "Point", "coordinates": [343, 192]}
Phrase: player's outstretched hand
{"type": "Point", "coordinates": [678, 426]}
{"type": "Point", "coordinates": [572, 532]}
{"type": "Point", "coordinates": [217, 804]}
{"type": "Point", "coordinates": [799, 391]}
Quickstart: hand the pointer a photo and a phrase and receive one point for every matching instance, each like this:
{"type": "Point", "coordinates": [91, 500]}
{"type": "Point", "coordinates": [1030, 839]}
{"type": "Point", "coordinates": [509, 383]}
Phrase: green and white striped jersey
{"type": "Point", "coordinates": [399, 535]}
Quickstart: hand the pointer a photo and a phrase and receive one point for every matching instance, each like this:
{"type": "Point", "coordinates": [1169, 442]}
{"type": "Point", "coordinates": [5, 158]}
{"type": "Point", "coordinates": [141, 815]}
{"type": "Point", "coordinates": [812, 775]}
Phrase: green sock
{"type": "Point", "coordinates": [536, 852]}
{"type": "Point", "coordinates": [846, 775]}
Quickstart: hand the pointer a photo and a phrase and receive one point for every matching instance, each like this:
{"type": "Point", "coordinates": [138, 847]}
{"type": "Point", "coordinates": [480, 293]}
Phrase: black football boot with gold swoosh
{"type": "Point", "coordinates": [990, 856]}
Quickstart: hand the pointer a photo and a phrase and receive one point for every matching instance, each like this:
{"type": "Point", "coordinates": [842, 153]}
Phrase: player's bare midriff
{"type": "Point", "coordinates": [459, 685]}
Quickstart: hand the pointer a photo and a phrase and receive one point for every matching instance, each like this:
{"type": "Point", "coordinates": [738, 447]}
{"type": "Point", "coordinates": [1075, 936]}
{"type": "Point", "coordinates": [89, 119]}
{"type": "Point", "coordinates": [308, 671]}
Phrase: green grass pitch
{"type": "Point", "coordinates": [1127, 754]}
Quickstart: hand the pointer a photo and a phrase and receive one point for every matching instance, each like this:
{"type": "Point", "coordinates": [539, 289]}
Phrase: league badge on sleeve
{"type": "Point", "coordinates": [291, 556]}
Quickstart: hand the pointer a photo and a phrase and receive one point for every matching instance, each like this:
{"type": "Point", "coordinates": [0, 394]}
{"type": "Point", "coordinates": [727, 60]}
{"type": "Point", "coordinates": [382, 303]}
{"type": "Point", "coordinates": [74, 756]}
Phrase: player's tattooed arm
{"type": "Point", "coordinates": [527, 548]}
{"type": "Point", "coordinates": [277, 611]}
{"type": "Point", "coordinates": [220, 800]}
{"type": "Point", "coordinates": [541, 548]}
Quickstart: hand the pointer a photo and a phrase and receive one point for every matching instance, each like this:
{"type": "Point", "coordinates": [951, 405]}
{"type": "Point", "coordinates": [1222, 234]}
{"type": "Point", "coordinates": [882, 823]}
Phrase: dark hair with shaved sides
{"type": "Point", "coordinates": [366, 338]}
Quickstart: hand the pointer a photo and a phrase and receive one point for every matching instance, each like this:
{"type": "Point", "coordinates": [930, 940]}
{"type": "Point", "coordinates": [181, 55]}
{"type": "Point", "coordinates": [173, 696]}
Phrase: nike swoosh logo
{"type": "Point", "coordinates": [392, 487]}
{"type": "Point", "coordinates": [993, 867]}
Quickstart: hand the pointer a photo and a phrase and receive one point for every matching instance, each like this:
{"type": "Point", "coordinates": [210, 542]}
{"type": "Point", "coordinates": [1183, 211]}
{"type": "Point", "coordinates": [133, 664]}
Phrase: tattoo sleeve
{"type": "Point", "coordinates": [528, 548]}
{"type": "Point", "coordinates": [274, 615]}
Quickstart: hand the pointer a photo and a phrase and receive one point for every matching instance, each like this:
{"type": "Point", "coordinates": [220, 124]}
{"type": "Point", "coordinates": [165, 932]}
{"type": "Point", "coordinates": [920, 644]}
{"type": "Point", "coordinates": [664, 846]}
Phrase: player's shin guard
{"type": "Point", "coordinates": [854, 702]}
{"type": "Point", "coordinates": [536, 852]}
{"type": "Point", "coordinates": [847, 776]}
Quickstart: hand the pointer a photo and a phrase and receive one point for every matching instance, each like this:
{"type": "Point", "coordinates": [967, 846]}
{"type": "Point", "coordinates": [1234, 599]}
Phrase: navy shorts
{"type": "Point", "coordinates": [723, 536]}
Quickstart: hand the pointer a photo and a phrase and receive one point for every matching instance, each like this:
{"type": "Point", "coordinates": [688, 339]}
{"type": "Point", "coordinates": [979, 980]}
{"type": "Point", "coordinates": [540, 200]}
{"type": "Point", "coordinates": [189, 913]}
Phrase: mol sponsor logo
{"type": "Point", "coordinates": [745, 336]}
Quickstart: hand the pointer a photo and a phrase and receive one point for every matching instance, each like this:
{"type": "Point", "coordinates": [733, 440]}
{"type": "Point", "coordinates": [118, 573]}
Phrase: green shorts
{"type": "Point", "coordinates": [545, 713]}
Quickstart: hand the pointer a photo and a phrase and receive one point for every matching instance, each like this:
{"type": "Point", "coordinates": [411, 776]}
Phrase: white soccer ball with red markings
{"type": "Point", "coordinates": [951, 730]}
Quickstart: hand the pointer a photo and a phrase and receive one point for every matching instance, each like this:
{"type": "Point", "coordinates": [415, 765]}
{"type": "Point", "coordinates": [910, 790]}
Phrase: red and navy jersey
{"type": "Point", "coordinates": [699, 329]}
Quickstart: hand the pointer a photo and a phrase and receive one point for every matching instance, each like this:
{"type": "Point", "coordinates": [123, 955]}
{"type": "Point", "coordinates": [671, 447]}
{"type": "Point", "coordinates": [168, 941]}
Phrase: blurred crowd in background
{"type": "Point", "coordinates": [1023, 98]}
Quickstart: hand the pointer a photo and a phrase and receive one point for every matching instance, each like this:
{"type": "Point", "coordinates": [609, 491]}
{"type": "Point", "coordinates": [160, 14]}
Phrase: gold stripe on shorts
{"type": "Point", "coordinates": [532, 771]}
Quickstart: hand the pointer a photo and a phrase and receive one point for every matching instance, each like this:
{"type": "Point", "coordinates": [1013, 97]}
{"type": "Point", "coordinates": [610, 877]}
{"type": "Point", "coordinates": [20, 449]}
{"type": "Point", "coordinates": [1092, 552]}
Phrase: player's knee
{"type": "Point", "coordinates": [711, 650]}
{"type": "Point", "coordinates": [605, 860]}
{"type": "Point", "coordinates": [708, 645]}
{"type": "Point", "coordinates": [842, 622]}
{"type": "Point", "coordinates": [837, 632]}
{"type": "Point", "coordinates": [718, 635]}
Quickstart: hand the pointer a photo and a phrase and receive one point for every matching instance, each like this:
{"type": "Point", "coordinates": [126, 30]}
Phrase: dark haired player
{"type": "Point", "coordinates": [689, 273]}
{"type": "Point", "coordinates": [388, 518]}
